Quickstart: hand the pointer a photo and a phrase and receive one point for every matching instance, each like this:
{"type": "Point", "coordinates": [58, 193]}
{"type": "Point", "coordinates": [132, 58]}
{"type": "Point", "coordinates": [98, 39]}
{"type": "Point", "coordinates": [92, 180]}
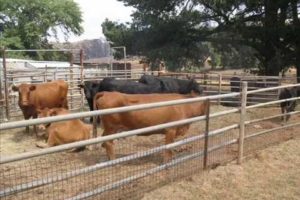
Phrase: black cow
{"type": "Point", "coordinates": [91, 88]}
{"type": "Point", "coordinates": [128, 86]}
{"type": "Point", "coordinates": [172, 85]}
{"type": "Point", "coordinates": [146, 85]}
{"type": "Point", "coordinates": [288, 106]}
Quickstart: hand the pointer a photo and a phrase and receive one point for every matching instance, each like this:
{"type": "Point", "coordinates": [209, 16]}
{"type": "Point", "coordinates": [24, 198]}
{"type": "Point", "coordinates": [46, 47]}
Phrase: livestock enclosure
{"type": "Point", "coordinates": [75, 74]}
{"type": "Point", "coordinates": [224, 134]}
{"type": "Point", "coordinates": [14, 72]}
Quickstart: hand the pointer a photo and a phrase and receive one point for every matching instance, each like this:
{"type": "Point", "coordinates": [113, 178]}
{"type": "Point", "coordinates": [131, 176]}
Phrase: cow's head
{"type": "Point", "coordinates": [24, 93]}
{"type": "Point", "coordinates": [90, 89]}
{"type": "Point", "coordinates": [47, 112]}
{"type": "Point", "coordinates": [41, 113]}
{"type": "Point", "coordinates": [195, 87]}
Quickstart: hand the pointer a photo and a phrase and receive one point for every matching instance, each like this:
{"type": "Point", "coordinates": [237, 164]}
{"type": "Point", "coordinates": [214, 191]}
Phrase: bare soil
{"type": "Point", "coordinates": [272, 173]}
{"type": "Point", "coordinates": [14, 142]}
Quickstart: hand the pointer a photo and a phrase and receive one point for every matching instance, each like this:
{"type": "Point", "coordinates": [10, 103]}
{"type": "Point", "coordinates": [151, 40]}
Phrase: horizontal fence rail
{"type": "Point", "coordinates": [108, 138]}
{"type": "Point", "coordinates": [114, 184]}
{"type": "Point", "coordinates": [149, 172]}
{"type": "Point", "coordinates": [102, 165]}
{"type": "Point", "coordinates": [24, 123]}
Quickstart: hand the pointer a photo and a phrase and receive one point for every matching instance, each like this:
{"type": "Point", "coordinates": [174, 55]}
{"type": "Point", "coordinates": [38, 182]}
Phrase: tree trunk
{"type": "Point", "coordinates": [298, 62]}
{"type": "Point", "coordinates": [272, 67]}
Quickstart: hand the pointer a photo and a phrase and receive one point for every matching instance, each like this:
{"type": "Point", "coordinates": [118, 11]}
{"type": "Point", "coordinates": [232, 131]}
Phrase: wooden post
{"type": "Point", "coordinates": [220, 87]}
{"type": "Point", "coordinates": [242, 122]}
{"type": "Point", "coordinates": [206, 134]}
{"type": "Point", "coordinates": [5, 86]}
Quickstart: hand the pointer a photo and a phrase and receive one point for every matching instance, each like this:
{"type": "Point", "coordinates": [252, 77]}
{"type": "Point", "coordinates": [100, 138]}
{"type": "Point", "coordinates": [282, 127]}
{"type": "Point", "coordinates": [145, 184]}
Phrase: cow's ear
{"type": "Point", "coordinates": [32, 87]}
{"type": "Point", "coordinates": [15, 88]}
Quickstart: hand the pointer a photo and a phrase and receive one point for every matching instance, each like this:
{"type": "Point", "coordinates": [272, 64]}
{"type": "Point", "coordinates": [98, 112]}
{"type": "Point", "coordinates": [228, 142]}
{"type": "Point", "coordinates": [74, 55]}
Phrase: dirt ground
{"type": "Point", "coordinates": [272, 173]}
{"type": "Point", "coordinates": [15, 141]}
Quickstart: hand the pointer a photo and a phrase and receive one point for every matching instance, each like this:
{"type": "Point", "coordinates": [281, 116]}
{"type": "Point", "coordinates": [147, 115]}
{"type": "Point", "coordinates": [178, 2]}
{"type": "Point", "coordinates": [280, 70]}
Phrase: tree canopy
{"type": "Point", "coordinates": [29, 24]}
{"type": "Point", "coordinates": [177, 29]}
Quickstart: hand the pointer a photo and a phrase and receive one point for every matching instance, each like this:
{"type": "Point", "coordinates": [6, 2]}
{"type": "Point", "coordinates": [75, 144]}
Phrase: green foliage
{"type": "Point", "coordinates": [239, 33]}
{"type": "Point", "coordinates": [29, 23]}
{"type": "Point", "coordinates": [118, 34]}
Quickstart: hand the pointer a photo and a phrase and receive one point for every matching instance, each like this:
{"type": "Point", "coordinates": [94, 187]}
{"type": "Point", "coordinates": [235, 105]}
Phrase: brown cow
{"type": "Point", "coordinates": [36, 96]}
{"type": "Point", "coordinates": [143, 118]}
{"type": "Point", "coordinates": [63, 132]}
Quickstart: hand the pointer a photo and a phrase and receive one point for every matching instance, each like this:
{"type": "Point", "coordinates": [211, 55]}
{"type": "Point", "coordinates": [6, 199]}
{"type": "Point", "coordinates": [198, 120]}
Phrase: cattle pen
{"type": "Point", "coordinates": [74, 73]}
{"type": "Point", "coordinates": [55, 173]}
{"type": "Point", "coordinates": [17, 71]}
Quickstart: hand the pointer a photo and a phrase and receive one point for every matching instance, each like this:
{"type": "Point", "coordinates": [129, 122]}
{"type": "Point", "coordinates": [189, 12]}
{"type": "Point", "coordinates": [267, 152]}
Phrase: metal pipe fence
{"type": "Point", "coordinates": [132, 173]}
{"type": "Point", "coordinates": [53, 174]}
{"type": "Point", "coordinates": [213, 83]}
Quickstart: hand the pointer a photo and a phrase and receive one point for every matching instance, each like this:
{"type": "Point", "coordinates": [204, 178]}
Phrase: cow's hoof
{"type": "Point", "coordinates": [41, 134]}
{"type": "Point", "coordinates": [41, 145]}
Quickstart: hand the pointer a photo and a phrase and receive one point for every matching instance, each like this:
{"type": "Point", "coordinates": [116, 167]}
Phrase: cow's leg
{"type": "Point", "coordinates": [170, 137]}
{"type": "Point", "coordinates": [26, 117]}
{"type": "Point", "coordinates": [52, 139]}
{"type": "Point", "coordinates": [283, 112]}
{"type": "Point", "coordinates": [34, 126]}
{"type": "Point", "coordinates": [65, 104]}
{"type": "Point", "coordinates": [109, 149]}
{"type": "Point", "coordinates": [288, 116]}
{"type": "Point", "coordinates": [42, 144]}
{"type": "Point", "coordinates": [45, 144]}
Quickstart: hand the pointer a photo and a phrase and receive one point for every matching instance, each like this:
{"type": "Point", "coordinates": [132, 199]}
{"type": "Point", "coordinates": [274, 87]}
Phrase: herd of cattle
{"type": "Point", "coordinates": [50, 99]}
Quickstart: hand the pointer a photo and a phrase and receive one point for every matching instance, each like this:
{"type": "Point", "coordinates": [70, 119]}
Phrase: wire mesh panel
{"type": "Point", "coordinates": [42, 178]}
{"type": "Point", "coordinates": [263, 134]}
{"type": "Point", "coordinates": [140, 163]}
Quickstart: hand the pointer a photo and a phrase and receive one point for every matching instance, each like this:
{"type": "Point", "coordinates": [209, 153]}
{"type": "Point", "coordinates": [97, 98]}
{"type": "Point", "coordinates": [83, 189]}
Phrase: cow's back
{"type": "Point", "coordinates": [52, 94]}
{"type": "Point", "coordinates": [141, 118]}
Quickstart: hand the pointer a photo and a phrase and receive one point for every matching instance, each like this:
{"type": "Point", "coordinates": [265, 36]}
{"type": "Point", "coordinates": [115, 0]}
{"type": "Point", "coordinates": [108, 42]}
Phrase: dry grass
{"type": "Point", "coordinates": [272, 173]}
{"type": "Point", "coordinates": [16, 141]}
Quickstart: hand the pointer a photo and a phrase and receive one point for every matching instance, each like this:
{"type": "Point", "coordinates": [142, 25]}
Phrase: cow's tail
{"type": "Point", "coordinates": [97, 96]}
{"type": "Point", "coordinates": [96, 107]}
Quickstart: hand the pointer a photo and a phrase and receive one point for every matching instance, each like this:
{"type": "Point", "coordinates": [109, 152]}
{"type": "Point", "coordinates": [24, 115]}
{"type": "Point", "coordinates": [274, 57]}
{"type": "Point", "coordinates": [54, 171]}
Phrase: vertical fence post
{"type": "Point", "coordinates": [71, 79]}
{"type": "Point", "coordinates": [205, 77]}
{"type": "Point", "coordinates": [95, 126]}
{"type": "Point", "coordinates": [111, 67]}
{"type": "Point", "coordinates": [220, 87]}
{"type": "Point", "coordinates": [125, 67]}
{"type": "Point", "coordinates": [81, 79]}
{"type": "Point", "coordinates": [5, 86]}
{"type": "Point", "coordinates": [279, 84]}
{"type": "Point", "coordinates": [206, 134]}
{"type": "Point", "coordinates": [1, 96]}
{"type": "Point", "coordinates": [45, 74]}
{"type": "Point", "coordinates": [242, 121]}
